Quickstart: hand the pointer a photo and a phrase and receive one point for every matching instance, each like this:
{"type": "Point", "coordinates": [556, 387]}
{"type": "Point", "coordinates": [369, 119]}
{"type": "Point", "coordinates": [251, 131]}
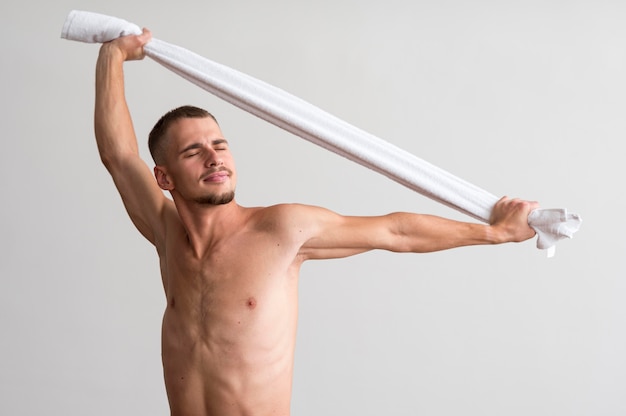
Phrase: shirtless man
{"type": "Point", "coordinates": [230, 273]}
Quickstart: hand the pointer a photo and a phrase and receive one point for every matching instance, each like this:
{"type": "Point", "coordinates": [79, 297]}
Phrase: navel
{"type": "Point", "coordinates": [251, 303]}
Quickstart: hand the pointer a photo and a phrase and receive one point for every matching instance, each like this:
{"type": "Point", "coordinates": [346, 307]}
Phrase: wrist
{"type": "Point", "coordinates": [495, 234]}
{"type": "Point", "coordinates": [110, 52]}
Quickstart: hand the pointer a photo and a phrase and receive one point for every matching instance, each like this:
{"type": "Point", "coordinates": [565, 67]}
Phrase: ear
{"type": "Point", "coordinates": [163, 179]}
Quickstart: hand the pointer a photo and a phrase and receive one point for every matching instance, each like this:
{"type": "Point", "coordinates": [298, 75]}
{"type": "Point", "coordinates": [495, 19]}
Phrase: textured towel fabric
{"type": "Point", "coordinates": [315, 125]}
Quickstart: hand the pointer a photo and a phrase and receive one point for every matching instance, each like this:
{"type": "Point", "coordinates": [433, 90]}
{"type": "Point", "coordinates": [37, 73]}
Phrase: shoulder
{"type": "Point", "coordinates": [280, 211]}
{"type": "Point", "coordinates": [294, 214]}
{"type": "Point", "coordinates": [293, 218]}
{"type": "Point", "coordinates": [319, 233]}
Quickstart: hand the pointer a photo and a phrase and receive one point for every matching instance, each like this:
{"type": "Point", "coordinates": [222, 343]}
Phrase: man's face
{"type": "Point", "coordinates": [200, 166]}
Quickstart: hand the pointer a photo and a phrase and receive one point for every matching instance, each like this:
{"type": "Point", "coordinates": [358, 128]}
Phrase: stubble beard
{"type": "Point", "coordinates": [216, 199]}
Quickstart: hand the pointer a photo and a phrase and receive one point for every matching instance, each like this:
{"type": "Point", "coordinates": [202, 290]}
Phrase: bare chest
{"type": "Point", "coordinates": [243, 273]}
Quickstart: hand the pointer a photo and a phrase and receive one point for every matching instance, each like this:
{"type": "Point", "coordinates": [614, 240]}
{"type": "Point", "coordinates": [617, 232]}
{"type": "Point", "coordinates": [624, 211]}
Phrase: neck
{"type": "Point", "coordinates": [207, 224]}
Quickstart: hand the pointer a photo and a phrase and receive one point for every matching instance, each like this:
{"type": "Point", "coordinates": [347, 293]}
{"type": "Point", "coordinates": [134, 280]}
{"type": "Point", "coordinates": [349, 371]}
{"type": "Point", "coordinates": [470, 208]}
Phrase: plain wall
{"type": "Point", "coordinates": [523, 98]}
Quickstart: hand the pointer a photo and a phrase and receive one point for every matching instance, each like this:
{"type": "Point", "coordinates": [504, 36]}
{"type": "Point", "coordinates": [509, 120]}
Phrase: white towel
{"type": "Point", "coordinates": [315, 125]}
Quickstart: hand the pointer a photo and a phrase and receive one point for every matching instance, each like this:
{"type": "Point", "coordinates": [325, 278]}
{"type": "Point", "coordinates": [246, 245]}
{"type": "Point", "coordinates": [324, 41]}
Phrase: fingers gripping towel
{"type": "Point", "coordinates": [317, 126]}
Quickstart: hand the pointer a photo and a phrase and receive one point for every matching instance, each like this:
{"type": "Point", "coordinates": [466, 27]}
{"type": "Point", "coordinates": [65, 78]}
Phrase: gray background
{"type": "Point", "coordinates": [521, 98]}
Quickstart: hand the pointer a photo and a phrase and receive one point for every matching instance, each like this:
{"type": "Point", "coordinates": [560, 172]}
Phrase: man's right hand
{"type": "Point", "coordinates": [130, 47]}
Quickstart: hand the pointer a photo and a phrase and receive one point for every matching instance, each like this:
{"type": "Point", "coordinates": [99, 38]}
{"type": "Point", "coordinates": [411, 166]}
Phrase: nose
{"type": "Point", "coordinates": [213, 159]}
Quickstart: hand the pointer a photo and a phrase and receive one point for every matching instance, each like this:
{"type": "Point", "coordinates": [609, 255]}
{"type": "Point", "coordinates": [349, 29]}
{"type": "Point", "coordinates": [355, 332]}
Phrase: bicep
{"type": "Point", "coordinates": [143, 199]}
{"type": "Point", "coordinates": [334, 236]}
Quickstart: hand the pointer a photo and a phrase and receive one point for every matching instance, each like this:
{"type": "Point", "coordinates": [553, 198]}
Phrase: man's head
{"type": "Point", "coordinates": [157, 140]}
{"type": "Point", "coordinates": [193, 160]}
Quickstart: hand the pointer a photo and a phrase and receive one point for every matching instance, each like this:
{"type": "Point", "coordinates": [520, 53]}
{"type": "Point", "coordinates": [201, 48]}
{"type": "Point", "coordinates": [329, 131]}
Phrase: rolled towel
{"type": "Point", "coordinates": [317, 126]}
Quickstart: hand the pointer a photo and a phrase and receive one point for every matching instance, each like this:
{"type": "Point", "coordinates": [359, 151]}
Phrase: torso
{"type": "Point", "coordinates": [229, 328]}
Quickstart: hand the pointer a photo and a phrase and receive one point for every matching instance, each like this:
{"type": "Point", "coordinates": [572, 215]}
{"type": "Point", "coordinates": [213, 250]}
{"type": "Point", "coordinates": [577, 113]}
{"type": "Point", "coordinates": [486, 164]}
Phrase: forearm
{"type": "Point", "coordinates": [113, 126]}
{"type": "Point", "coordinates": [419, 233]}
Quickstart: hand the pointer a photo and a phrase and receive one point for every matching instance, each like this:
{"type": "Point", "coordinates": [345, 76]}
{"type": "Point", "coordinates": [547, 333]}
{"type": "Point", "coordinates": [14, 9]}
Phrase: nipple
{"type": "Point", "coordinates": [251, 303]}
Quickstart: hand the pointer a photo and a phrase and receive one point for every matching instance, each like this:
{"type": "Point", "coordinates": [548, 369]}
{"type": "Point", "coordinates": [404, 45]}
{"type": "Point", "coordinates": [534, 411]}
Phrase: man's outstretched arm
{"type": "Point", "coordinates": [115, 136]}
{"type": "Point", "coordinates": [332, 235]}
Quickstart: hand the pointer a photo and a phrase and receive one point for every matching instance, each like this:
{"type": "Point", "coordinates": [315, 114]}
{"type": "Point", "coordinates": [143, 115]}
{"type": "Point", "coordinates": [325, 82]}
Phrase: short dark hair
{"type": "Point", "coordinates": [156, 142]}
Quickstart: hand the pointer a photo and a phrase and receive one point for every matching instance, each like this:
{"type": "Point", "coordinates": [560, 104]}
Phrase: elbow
{"type": "Point", "coordinates": [113, 161]}
{"type": "Point", "coordinates": [109, 161]}
{"type": "Point", "coordinates": [401, 243]}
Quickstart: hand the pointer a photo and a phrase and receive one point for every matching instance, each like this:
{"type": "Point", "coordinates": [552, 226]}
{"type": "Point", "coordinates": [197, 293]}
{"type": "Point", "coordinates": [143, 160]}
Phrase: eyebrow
{"type": "Point", "coordinates": [192, 146]}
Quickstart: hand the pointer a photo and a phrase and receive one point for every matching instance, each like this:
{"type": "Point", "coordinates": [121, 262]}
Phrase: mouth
{"type": "Point", "coordinates": [217, 176]}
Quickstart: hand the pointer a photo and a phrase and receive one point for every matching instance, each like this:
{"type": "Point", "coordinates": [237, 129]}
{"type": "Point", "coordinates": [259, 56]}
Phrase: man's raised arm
{"type": "Point", "coordinates": [115, 136]}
